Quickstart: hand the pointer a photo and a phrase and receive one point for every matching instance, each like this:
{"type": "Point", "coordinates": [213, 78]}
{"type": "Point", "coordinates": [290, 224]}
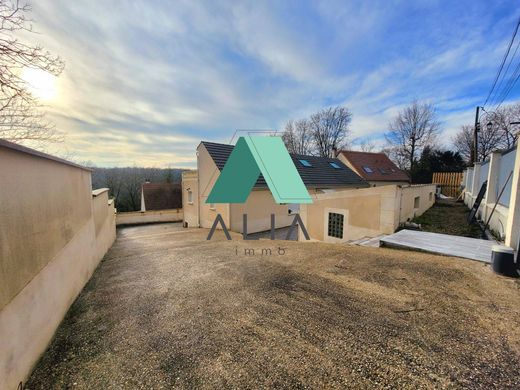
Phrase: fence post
{"type": "Point", "coordinates": [513, 219]}
{"type": "Point", "coordinates": [492, 182]}
{"type": "Point", "coordinates": [474, 185]}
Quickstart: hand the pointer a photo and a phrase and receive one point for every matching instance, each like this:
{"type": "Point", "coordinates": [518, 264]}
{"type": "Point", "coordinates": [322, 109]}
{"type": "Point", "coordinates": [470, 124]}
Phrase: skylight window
{"type": "Point", "coordinates": [334, 165]}
{"type": "Point", "coordinates": [383, 171]}
{"type": "Point", "coordinates": [368, 170]}
{"type": "Point", "coordinates": [305, 163]}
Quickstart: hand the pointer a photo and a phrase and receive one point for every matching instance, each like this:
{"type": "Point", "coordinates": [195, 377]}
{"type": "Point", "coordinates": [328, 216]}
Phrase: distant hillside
{"type": "Point", "coordinates": [125, 183]}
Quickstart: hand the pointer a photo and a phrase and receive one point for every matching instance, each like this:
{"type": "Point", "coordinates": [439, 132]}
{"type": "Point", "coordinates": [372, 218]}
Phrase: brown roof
{"type": "Point", "coordinates": [374, 166]}
{"type": "Point", "coordinates": [162, 196]}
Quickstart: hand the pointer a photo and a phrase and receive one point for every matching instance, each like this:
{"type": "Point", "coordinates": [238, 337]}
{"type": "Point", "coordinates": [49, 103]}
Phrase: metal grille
{"type": "Point", "coordinates": [335, 225]}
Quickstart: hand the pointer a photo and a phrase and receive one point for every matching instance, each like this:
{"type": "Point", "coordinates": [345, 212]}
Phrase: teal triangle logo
{"type": "Point", "coordinates": [251, 157]}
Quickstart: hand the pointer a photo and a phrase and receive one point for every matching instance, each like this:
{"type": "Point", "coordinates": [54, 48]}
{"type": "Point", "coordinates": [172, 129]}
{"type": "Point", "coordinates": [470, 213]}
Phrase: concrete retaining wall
{"type": "Point", "coordinates": [53, 232]}
{"type": "Point", "coordinates": [142, 217]}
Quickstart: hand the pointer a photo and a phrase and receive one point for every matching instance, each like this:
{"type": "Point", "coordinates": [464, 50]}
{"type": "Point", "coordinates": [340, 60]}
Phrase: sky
{"type": "Point", "coordinates": [146, 81]}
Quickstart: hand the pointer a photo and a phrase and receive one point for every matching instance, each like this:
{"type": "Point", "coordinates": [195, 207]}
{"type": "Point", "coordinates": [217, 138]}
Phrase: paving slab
{"type": "Point", "coordinates": [443, 244]}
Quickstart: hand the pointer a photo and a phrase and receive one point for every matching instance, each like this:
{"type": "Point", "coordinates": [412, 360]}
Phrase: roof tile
{"type": "Point", "coordinates": [320, 174]}
{"type": "Point", "coordinates": [383, 169]}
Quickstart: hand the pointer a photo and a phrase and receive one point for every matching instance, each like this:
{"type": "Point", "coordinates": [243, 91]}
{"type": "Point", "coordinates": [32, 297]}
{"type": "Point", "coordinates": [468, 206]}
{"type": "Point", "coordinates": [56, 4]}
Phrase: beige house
{"type": "Point", "coordinates": [376, 168]}
{"type": "Point", "coordinates": [319, 174]}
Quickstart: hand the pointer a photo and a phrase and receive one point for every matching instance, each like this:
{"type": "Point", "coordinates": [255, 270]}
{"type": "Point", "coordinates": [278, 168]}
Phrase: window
{"type": "Point", "coordinates": [417, 202]}
{"type": "Point", "coordinates": [335, 225]}
{"type": "Point", "coordinates": [305, 163]}
{"type": "Point", "coordinates": [393, 170]}
{"type": "Point", "coordinates": [212, 206]}
{"type": "Point", "coordinates": [368, 170]}
{"type": "Point", "coordinates": [334, 165]}
{"type": "Point", "coordinates": [190, 196]}
{"type": "Point", "coordinates": [383, 171]}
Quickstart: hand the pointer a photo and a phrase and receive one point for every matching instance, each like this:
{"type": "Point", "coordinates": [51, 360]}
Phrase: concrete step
{"type": "Point", "coordinates": [368, 241]}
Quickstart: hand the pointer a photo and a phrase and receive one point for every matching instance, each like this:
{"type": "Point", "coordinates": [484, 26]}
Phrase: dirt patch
{"type": "Point", "coordinates": [166, 308]}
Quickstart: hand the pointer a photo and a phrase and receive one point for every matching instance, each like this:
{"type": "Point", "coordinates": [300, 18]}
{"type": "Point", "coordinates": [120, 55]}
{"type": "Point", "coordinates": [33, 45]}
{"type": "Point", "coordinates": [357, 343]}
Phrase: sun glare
{"type": "Point", "coordinates": [41, 84]}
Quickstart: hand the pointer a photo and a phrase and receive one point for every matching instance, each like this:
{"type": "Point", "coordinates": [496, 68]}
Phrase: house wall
{"type": "Point", "coordinates": [504, 221]}
{"type": "Point", "coordinates": [152, 216]}
{"type": "Point", "coordinates": [259, 206]}
{"type": "Point", "coordinates": [53, 233]}
{"type": "Point", "coordinates": [208, 174]}
{"type": "Point", "coordinates": [190, 181]}
{"type": "Point", "coordinates": [367, 212]}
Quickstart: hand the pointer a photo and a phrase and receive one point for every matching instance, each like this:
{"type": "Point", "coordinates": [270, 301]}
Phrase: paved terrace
{"type": "Point", "coordinates": [166, 308]}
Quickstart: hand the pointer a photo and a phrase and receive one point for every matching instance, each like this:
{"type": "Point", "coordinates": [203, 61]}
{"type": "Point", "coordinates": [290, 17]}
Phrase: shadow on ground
{"type": "Point", "coordinates": [166, 308]}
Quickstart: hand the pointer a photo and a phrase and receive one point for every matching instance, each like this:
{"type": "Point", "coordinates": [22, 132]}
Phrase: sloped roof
{"type": "Point", "coordinates": [162, 196]}
{"type": "Point", "coordinates": [320, 174]}
{"type": "Point", "coordinates": [383, 169]}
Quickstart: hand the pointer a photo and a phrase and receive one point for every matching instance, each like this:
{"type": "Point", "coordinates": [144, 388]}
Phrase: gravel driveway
{"type": "Point", "coordinates": [166, 308]}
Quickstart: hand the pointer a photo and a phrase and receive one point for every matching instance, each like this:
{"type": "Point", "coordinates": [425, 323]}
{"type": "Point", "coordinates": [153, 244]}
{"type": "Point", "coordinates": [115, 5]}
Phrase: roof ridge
{"type": "Point", "coordinates": [360, 151]}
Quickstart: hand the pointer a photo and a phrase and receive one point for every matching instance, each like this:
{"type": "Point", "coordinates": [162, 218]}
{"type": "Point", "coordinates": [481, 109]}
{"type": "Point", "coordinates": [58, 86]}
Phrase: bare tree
{"type": "Point", "coordinates": [463, 142]}
{"type": "Point", "coordinates": [330, 129]}
{"type": "Point", "coordinates": [297, 137]}
{"type": "Point", "coordinates": [325, 131]}
{"type": "Point", "coordinates": [21, 115]}
{"type": "Point", "coordinates": [501, 123]}
{"type": "Point", "coordinates": [415, 127]}
{"type": "Point", "coordinates": [490, 138]}
{"type": "Point", "coordinates": [496, 132]}
{"type": "Point", "coordinates": [367, 146]}
{"type": "Point", "coordinates": [398, 156]}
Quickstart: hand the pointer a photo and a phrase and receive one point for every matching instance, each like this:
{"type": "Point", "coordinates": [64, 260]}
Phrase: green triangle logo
{"type": "Point", "coordinates": [251, 157]}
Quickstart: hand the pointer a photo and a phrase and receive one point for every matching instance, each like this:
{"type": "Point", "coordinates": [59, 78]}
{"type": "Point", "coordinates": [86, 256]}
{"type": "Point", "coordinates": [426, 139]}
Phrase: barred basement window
{"type": "Point", "coordinates": [335, 225]}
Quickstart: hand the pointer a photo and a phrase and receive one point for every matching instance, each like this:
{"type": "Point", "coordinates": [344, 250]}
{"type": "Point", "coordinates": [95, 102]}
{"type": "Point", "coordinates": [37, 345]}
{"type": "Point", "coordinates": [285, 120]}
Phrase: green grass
{"type": "Point", "coordinates": [448, 217]}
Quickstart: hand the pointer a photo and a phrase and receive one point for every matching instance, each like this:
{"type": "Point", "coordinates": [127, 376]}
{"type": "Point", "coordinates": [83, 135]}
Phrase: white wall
{"type": "Point", "coordinates": [504, 220]}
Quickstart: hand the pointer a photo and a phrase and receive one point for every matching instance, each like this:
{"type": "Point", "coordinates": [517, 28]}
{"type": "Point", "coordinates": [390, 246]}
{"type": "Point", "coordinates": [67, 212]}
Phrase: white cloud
{"type": "Point", "coordinates": [144, 81]}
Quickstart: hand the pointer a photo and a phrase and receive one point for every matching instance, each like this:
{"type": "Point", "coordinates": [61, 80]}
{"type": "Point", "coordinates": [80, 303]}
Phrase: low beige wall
{"type": "Point", "coordinates": [408, 209]}
{"type": "Point", "coordinates": [140, 217]}
{"type": "Point", "coordinates": [53, 233]}
{"type": "Point", "coordinates": [367, 212]}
